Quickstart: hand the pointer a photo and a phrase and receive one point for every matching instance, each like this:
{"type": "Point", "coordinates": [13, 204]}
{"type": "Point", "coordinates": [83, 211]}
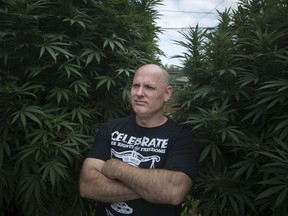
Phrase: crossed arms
{"type": "Point", "coordinates": [116, 181]}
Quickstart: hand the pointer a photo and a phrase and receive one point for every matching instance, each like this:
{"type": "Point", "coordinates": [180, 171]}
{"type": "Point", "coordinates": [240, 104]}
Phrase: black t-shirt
{"type": "Point", "coordinates": [170, 146]}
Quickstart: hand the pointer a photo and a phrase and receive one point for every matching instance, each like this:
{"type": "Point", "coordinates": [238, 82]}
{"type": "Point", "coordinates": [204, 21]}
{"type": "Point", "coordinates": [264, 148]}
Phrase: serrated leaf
{"type": "Point", "coordinates": [83, 88]}
{"type": "Point", "coordinates": [23, 119]}
{"type": "Point", "coordinates": [270, 191]}
{"type": "Point", "coordinates": [42, 50]}
{"type": "Point", "coordinates": [282, 196]}
{"type": "Point", "coordinates": [52, 53]}
{"type": "Point", "coordinates": [281, 143]}
{"type": "Point", "coordinates": [63, 151]}
{"type": "Point", "coordinates": [270, 155]}
{"type": "Point", "coordinates": [281, 125]}
{"type": "Point", "coordinates": [34, 118]}
{"type": "Point", "coordinates": [100, 83]}
{"type": "Point", "coordinates": [61, 50]}
{"type": "Point", "coordinates": [28, 193]}
{"type": "Point", "coordinates": [36, 138]}
{"type": "Point", "coordinates": [223, 202]}
{"type": "Point", "coordinates": [119, 45]}
{"type": "Point", "coordinates": [37, 192]}
{"type": "Point", "coordinates": [82, 24]}
{"type": "Point", "coordinates": [97, 56]}
{"type": "Point", "coordinates": [52, 176]}
{"type": "Point", "coordinates": [205, 152]}
{"type": "Point", "coordinates": [86, 52]}
{"type": "Point", "coordinates": [241, 170]}
{"type": "Point", "coordinates": [72, 150]}
{"type": "Point", "coordinates": [15, 118]}
{"type": "Point", "coordinates": [89, 59]}
{"type": "Point", "coordinates": [111, 43]}
{"type": "Point", "coordinates": [233, 204]}
{"type": "Point", "coordinates": [274, 181]}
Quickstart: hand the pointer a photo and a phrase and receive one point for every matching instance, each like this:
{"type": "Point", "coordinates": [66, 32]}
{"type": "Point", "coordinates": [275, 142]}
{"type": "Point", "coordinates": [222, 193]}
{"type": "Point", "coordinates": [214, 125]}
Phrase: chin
{"type": "Point", "coordinates": [139, 112]}
{"type": "Point", "coordinates": [139, 109]}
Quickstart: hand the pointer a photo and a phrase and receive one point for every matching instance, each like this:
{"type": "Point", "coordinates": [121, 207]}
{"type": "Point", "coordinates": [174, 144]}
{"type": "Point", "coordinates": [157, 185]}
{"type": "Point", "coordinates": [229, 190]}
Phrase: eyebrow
{"type": "Point", "coordinates": [152, 85]}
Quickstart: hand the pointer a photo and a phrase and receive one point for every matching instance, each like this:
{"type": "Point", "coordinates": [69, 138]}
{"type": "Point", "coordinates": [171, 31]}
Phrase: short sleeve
{"type": "Point", "coordinates": [183, 154]}
{"type": "Point", "coordinates": [101, 145]}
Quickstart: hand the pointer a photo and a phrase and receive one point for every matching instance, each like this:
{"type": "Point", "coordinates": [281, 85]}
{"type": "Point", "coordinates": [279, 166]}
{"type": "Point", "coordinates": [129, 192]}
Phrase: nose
{"type": "Point", "coordinates": [139, 91]}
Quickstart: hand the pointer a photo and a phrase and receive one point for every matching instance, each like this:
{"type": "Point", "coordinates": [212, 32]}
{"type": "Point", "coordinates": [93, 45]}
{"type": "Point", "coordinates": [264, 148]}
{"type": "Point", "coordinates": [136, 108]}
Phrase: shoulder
{"type": "Point", "coordinates": [177, 126]}
{"type": "Point", "coordinates": [179, 130]}
{"type": "Point", "coordinates": [123, 121]}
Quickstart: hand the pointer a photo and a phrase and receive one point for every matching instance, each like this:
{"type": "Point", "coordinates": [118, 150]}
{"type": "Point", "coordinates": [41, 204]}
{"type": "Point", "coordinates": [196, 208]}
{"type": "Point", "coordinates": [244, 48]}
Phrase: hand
{"type": "Point", "coordinates": [110, 168]}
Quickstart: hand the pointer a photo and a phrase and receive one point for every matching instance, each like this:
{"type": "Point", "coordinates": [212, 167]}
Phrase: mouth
{"type": "Point", "coordinates": [139, 103]}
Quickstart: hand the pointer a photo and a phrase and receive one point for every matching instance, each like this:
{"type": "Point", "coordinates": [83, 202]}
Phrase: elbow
{"type": "Point", "coordinates": [176, 198]}
{"type": "Point", "coordinates": [177, 201]}
{"type": "Point", "coordinates": [180, 191]}
{"type": "Point", "coordinates": [177, 195]}
{"type": "Point", "coordinates": [82, 190]}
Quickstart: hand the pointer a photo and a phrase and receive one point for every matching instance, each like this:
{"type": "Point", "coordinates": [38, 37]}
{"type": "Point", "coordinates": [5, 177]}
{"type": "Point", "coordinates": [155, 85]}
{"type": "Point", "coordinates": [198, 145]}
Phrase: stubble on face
{"type": "Point", "coordinates": [149, 86]}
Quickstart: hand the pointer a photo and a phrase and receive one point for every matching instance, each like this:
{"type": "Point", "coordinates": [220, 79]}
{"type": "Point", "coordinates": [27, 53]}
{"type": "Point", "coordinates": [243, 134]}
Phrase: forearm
{"type": "Point", "coordinates": [154, 185]}
{"type": "Point", "coordinates": [94, 185]}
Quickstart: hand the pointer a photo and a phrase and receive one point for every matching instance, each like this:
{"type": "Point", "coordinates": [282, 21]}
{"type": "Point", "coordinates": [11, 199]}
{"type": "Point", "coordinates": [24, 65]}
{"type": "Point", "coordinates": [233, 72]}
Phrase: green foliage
{"type": "Point", "coordinates": [65, 68]}
{"type": "Point", "coordinates": [236, 101]}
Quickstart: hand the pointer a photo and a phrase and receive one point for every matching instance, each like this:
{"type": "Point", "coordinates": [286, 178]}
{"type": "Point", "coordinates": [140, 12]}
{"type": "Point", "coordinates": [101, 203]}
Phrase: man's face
{"type": "Point", "coordinates": [149, 91]}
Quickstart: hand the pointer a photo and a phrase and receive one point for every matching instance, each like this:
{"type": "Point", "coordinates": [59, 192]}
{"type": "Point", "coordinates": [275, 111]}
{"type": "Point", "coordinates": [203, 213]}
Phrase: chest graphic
{"type": "Point", "coordinates": [134, 158]}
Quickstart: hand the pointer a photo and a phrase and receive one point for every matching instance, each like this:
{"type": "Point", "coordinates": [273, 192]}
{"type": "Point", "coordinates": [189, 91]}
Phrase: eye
{"type": "Point", "coordinates": [150, 88]}
{"type": "Point", "coordinates": [135, 85]}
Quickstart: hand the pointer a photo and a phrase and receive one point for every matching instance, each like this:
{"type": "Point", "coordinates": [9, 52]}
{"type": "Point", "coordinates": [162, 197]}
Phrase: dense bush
{"type": "Point", "coordinates": [237, 102]}
{"type": "Point", "coordinates": [65, 68]}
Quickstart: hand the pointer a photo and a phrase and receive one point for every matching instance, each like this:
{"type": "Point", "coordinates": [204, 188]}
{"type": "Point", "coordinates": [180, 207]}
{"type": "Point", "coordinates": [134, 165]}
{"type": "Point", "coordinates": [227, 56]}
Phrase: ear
{"type": "Point", "coordinates": [168, 93]}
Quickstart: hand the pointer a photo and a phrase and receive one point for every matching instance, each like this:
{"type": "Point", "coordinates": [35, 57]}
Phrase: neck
{"type": "Point", "coordinates": [151, 122]}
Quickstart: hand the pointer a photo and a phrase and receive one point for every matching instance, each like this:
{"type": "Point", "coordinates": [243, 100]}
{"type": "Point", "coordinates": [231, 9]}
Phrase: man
{"type": "Point", "coordinates": [143, 164]}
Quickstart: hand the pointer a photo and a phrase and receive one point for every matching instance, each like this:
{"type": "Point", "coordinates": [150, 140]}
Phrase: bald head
{"type": "Point", "coordinates": [155, 70]}
{"type": "Point", "coordinates": [150, 90]}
